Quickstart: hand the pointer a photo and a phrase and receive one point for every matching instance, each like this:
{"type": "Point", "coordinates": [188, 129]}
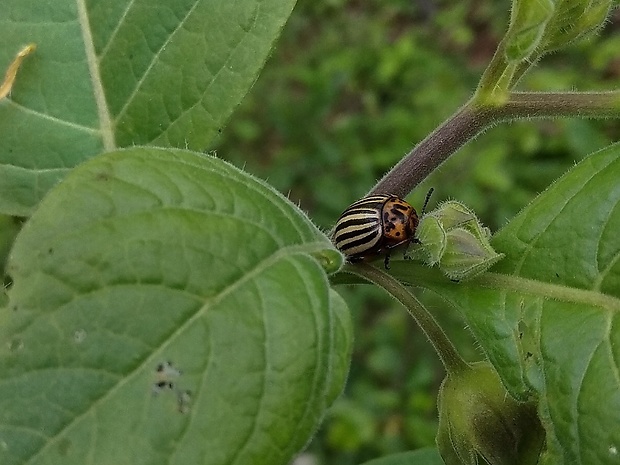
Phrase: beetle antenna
{"type": "Point", "coordinates": [428, 197]}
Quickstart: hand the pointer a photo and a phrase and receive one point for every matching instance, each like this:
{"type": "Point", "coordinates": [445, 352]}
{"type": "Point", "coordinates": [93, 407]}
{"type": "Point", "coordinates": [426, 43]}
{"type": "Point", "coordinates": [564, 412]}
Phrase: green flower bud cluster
{"type": "Point", "coordinates": [453, 238]}
{"type": "Point", "coordinates": [527, 27]}
{"type": "Point", "coordinates": [541, 26]}
{"type": "Point", "coordinates": [572, 21]}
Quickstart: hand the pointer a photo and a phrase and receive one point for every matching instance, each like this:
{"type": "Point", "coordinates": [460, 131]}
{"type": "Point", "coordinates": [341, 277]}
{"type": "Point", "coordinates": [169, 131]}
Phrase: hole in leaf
{"type": "Point", "coordinates": [79, 336]}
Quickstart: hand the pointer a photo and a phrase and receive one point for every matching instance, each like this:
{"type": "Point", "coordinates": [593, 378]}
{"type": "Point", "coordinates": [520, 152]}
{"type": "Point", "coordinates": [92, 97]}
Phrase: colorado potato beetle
{"type": "Point", "coordinates": [373, 225]}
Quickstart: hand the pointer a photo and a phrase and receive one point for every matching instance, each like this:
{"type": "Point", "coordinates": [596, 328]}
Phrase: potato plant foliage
{"type": "Point", "coordinates": [163, 306]}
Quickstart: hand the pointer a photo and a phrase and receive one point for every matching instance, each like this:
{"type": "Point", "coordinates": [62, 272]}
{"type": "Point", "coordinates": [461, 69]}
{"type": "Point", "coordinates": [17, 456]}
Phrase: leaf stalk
{"type": "Point", "coordinates": [449, 356]}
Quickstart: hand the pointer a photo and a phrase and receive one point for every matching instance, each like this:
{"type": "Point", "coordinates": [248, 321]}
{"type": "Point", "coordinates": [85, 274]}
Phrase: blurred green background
{"type": "Point", "coordinates": [350, 88]}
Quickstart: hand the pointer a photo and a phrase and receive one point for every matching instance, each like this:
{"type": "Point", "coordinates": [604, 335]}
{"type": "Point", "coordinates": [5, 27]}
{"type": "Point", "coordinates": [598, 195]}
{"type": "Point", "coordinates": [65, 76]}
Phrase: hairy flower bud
{"type": "Point", "coordinates": [479, 422]}
{"type": "Point", "coordinates": [453, 237]}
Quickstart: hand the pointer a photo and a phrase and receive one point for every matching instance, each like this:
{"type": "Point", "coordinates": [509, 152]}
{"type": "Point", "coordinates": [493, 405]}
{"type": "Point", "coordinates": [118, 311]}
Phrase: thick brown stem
{"type": "Point", "coordinates": [473, 118]}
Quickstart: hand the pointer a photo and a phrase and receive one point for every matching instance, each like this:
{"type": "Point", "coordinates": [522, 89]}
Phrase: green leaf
{"type": "Point", "coordinates": [167, 308]}
{"type": "Point", "coordinates": [9, 228]}
{"type": "Point", "coordinates": [426, 456]}
{"type": "Point", "coordinates": [548, 316]}
{"type": "Point", "coordinates": [110, 74]}
{"type": "Point", "coordinates": [343, 346]}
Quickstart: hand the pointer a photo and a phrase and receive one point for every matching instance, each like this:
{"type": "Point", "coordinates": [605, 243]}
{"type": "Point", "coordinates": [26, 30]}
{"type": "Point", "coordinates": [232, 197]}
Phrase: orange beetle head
{"type": "Point", "coordinates": [400, 221]}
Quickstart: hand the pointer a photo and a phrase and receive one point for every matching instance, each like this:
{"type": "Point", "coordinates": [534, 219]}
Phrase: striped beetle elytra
{"type": "Point", "coordinates": [374, 225]}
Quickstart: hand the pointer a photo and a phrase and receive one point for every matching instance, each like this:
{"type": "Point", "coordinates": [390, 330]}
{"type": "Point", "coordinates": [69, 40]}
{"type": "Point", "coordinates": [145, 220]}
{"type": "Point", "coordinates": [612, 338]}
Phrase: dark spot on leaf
{"type": "Point", "coordinates": [165, 372]}
{"type": "Point", "coordinates": [164, 384]}
{"type": "Point", "coordinates": [102, 176]}
{"type": "Point", "coordinates": [167, 368]}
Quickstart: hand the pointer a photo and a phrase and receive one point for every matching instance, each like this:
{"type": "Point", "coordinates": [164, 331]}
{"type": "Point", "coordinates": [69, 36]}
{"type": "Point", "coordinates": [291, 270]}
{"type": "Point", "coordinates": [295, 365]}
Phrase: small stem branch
{"type": "Point", "coordinates": [498, 75]}
{"type": "Point", "coordinates": [474, 118]}
{"type": "Point", "coordinates": [561, 104]}
{"type": "Point", "coordinates": [451, 359]}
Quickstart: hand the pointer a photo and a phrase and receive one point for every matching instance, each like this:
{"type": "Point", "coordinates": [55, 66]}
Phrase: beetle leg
{"type": "Point", "coordinates": [406, 256]}
{"type": "Point", "coordinates": [386, 261]}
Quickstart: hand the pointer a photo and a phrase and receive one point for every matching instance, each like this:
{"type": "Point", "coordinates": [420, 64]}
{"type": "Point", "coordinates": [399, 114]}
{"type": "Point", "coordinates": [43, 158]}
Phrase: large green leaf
{"type": "Point", "coordinates": [117, 73]}
{"type": "Point", "coordinates": [146, 267]}
{"type": "Point", "coordinates": [548, 315]}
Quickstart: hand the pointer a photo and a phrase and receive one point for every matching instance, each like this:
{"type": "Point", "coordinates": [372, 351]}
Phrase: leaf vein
{"type": "Point", "coordinates": [261, 395]}
{"type": "Point", "coordinates": [105, 121]}
{"type": "Point", "coordinates": [62, 122]}
{"type": "Point", "coordinates": [106, 47]}
{"type": "Point", "coordinates": [150, 359]}
{"type": "Point", "coordinates": [515, 284]}
{"type": "Point", "coordinates": [217, 74]}
{"type": "Point", "coordinates": [154, 61]}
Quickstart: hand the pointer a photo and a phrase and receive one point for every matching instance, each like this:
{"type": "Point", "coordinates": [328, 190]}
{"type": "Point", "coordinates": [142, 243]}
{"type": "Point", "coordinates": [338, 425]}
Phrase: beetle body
{"type": "Point", "coordinates": [373, 225]}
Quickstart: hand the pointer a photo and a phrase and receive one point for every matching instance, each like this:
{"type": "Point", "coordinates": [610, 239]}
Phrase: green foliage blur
{"type": "Point", "coordinates": [350, 88]}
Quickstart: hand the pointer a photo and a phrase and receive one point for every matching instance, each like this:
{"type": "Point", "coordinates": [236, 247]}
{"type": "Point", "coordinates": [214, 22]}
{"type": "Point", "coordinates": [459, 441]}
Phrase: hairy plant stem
{"type": "Point", "coordinates": [475, 117]}
{"type": "Point", "coordinates": [498, 77]}
{"type": "Point", "coordinates": [449, 356]}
